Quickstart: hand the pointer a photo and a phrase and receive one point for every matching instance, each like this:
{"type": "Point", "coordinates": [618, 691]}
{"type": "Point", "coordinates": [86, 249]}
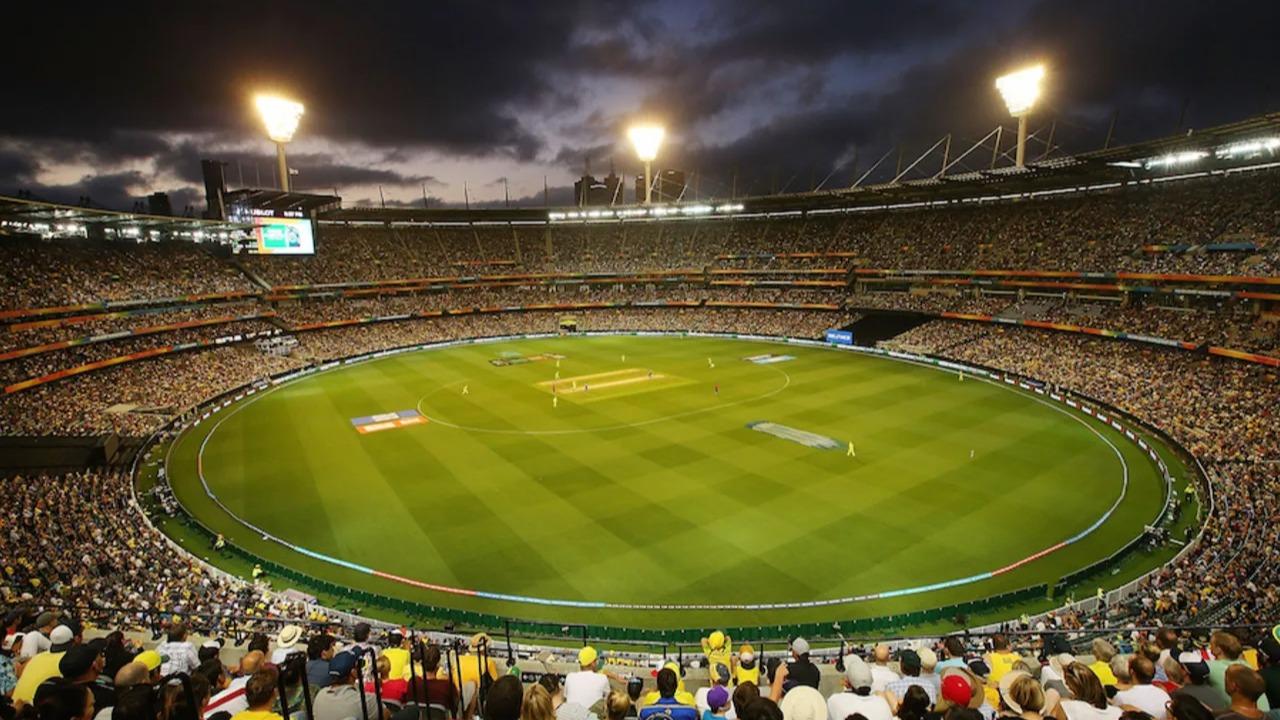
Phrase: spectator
{"type": "Point", "coordinates": [340, 699]}
{"type": "Point", "coordinates": [260, 694]}
{"type": "Point", "coordinates": [953, 653]}
{"type": "Point", "coordinates": [881, 674]}
{"type": "Point", "coordinates": [397, 653]}
{"type": "Point", "coordinates": [743, 695]}
{"type": "Point", "coordinates": [588, 686]}
{"type": "Point", "coordinates": [61, 699]}
{"type": "Point", "coordinates": [803, 703]}
{"type": "Point", "coordinates": [286, 643]}
{"type": "Point", "coordinates": [1021, 696]}
{"type": "Point", "coordinates": [319, 652]}
{"type": "Point", "coordinates": [1088, 698]}
{"type": "Point", "coordinates": [1142, 695]}
{"type": "Point", "coordinates": [1198, 685]}
{"type": "Point", "coordinates": [716, 650]}
{"type": "Point", "coordinates": [719, 706]}
{"type": "Point", "coordinates": [1185, 707]}
{"type": "Point", "coordinates": [800, 670]}
{"type": "Point", "coordinates": [915, 704]}
{"type": "Point", "coordinates": [231, 699]}
{"type": "Point", "coordinates": [1245, 687]}
{"type": "Point", "coordinates": [393, 689]}
{"type": "Point", "coordinates": [504, 699]}
{"type": "Point", "coordinates": [857, 696]}
{"type": "Point", "coordinates": [43, 666]}
{"type": "Point", "coordinates": [179, 655]}
{"type": "Point", "coordinates": [618, 706]}
{"type": "Point", "coordinates": [1269, 653]}
{"type": "Point", "coordinates": [538, 704]}
{"type": "Point", "coordinates": [763, 709]}
{"type": "Point", "coordinates": [82, 664]}
{"type": "Point", "coordinates": [1000, 661]}
{"type": "Point", "coordinates": [720, 677]}
{"type": "Point", "coordinates": [1103, 653]}
{"type": "Point", "coordinates": [910, 663]}
{"type": "Point", "coordinates": [8, 669]}
{"type": "Point", "coordinates": [666, 703]}
{"type": "Point", "coordinates": [37, 640]}
{"type": "Point", "coordinates": [428, 689]}
{"type": "Point", "coordinates": [746, 669]}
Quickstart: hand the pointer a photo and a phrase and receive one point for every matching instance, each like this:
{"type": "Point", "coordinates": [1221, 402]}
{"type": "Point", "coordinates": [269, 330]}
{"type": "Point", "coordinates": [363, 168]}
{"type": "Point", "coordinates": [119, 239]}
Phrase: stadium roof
{"type": "Point", "coordinates": [20, 215]}
{"type": "Point", "coordinates": [1197, 150]}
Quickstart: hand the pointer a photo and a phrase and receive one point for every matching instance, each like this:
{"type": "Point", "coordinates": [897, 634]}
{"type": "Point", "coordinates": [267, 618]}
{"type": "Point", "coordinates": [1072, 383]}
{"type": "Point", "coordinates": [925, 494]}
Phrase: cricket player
{"type": "Point", "coordinates": [851, 453]}
{"type": "Point", "coordinates": [466, 389]}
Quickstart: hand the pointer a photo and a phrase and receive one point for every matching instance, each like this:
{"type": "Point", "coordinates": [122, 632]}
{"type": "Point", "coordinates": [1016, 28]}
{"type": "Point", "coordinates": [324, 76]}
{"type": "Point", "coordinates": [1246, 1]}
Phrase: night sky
{"type": "Point", "coordinates": [116, 100]}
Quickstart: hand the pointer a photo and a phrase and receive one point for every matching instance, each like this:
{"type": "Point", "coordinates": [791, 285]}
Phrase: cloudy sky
{"type": "Point", "coordinates": [117, 100]}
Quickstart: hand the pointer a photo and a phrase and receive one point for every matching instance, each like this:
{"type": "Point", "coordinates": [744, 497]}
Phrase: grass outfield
{"type": "Point", "coordinates": [634, 482]}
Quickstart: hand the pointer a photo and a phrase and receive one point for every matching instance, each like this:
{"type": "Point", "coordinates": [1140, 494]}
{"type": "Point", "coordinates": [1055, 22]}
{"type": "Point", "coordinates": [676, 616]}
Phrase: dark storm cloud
{"type": "Point", "coordinates": [449, 75]}
{"type": "Point", "coordinates": [793, 88]}
{"type": "Point", "coordinates": [316, 171]}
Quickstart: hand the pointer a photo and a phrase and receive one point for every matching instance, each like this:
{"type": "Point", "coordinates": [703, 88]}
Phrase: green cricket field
{"type": "Point", "coordinates": [664, 481]}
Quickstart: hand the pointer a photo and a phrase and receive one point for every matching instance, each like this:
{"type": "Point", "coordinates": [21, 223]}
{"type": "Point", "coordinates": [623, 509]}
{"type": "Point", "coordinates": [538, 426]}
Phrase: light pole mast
{"type": "Point", "coordinates": [280, 116]}
{"type": "Point", "coordinates": [1020, 91]}
{"type": "Point", "coordinates": [647, 139]}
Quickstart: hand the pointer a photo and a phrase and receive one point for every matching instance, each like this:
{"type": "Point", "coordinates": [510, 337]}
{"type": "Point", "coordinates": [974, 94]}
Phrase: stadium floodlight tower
{"type": "Point", "coordinates": [1020, 90]}
{"type": "Point", "coordinates": [647, 139]}
{"type": "Point", "coordinates": [281, 117]}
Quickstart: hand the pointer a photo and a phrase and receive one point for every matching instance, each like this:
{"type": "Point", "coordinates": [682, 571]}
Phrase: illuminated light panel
{"type": "Point", "coordinates": [280, 115]}
{"type": "Point", "coordinates": [1021, 89]}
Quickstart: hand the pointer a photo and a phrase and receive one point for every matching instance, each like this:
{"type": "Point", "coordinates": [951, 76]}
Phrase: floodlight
{"type": "Point", "coordinates": [646, 139]}
{"type": "Point", "coordinates": [1021, 89]}
{"type": "Point", "coordinates": [280, 115]}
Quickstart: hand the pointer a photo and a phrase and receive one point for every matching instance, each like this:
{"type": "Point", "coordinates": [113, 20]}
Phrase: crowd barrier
{"type": "Point", "coordinates": [1100, 412]}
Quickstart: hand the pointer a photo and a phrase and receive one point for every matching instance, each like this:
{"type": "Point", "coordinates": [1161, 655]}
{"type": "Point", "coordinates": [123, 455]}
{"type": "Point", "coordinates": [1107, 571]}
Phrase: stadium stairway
{"type": "Point", "coordinates": [874, 327]}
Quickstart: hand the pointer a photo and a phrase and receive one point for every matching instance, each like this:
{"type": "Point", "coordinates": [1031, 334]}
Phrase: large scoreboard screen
{"type": "Point", "coordinates": [283, 236]}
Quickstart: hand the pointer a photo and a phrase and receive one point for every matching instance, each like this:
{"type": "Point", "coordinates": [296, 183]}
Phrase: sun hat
{"type": "Point", "coordinates": [717, 697]}
{"type": "Point", "coordinates": [928, 658]}
{"type": "Point", "coordinates": [716, 640]}
{"type": "Point", "coordinates": [803, 703]}
{"type": "Point", "coordinates": [1058, 663]}
{"type": "Point", "coordinates": [587, 656]}
{"type": "Point", "coordinates": [857, 672]}
{"type": "Point", "coordinates": [956, 690]}
{"type": "Point", "coordinates": [288, 636]}
{"type": "Point", "coordinates": [480, 638]}
{"type": "Point", "coordinates": [1006, 682]}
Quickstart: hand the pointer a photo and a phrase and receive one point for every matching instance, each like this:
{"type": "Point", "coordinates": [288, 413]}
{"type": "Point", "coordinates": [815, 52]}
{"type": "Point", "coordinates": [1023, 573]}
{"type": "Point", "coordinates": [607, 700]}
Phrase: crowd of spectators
{"type": "Point", "coordinates": [1223, 412]}
{"type": "Point", "coordinates": [38, 273]}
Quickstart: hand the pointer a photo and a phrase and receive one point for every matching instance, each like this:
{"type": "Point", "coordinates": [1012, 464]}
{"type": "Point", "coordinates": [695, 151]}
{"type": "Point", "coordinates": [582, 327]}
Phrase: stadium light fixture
{"type": "Point", "coordinates": [1021, 90]}
{"type": "Point", "coordinates": [281, 116]}
{"type": "Point", "coordinates": [647, 139]}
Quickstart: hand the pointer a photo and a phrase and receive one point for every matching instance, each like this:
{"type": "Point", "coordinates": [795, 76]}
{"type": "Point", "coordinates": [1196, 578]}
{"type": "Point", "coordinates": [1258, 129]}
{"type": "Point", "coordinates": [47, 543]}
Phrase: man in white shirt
{"type": "Point", "coordinates": [588, 685]}
{"type": "Point", "coordinates": [1142, 694]}
{"type": "Point", "coordinates": [179, 654]}
{"type": "Point", "coordinates": [858, 697]}
{"type": "Point", "coordinates": [37, 641]}
{"type": "Point", "coordinates": [881, 675]}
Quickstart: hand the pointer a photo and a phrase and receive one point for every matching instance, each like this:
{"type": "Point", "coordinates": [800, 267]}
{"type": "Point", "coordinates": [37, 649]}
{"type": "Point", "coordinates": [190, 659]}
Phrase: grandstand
{"type": "Point", "coordinates": [1141, 292]}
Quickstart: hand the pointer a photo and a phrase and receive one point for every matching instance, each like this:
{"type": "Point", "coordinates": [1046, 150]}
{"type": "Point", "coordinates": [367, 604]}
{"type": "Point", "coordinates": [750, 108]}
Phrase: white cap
{"type": "Point", "coordinates": [800, 646]}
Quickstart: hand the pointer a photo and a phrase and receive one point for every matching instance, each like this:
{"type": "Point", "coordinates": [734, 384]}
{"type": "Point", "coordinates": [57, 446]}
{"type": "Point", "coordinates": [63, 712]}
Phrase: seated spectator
{"type": "Point", "coordinates": [1088, 698]}
{"type": "Point", "coordinates": [1245, 687]}
{"type": "Point", "coordinates": [588, 686]}
{"type": "Point", "coordinates": [260, 695]}
{"type": "Point", "coordinates": [1021, 696]}
{"type": "Point", "coordinates": [719, 707]}
{"type": "Point", "coordinates": [667, 704]}
{"type": "Point", "coordinates": [1142, 695]}
{"type": "Point", "coordinates": [43, 666]}
{"type": "Point", "coordinates": [910, 663]}
{"type": "Point", "coordinates": [1103, 653]}
{"type": "Point", "coordinates": [763, 708]}
{"type": "Point", "coordinates": [61, 699]}
{"type": "Point", "coordinates": [393, 689]}
{"type": "Point", "coordinates": [319, 652]}
{"type": "Point", "coordinates": [505, 699]}
{"type": "Point", "coordinates": [720, 677]}
{"type": "Point", "coordinates": [1185, 707]}
{"type": "Point", "coordinates": [799, 670]}
{"type": "Point", "coordinates": [618, 706]}
{"type": "Point", "coordinates": [340, 699]}
{"type": "Point", "coordinates": [803, 703]}
{"type": "Point", "coordinates": [82, 665]}
{"type": "Point", "coordinates": [179, 655]}
{"type": "Point", "coordinates": [882, 675]}
{"type": "Point", "coordinates": [1198, 685]}
{"type": "Point", "coordinates": [857, 697]}
{"type": "Point", "coordinates": [743, 694]}
{"type": "Point", "coordinates": [914, 705]}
